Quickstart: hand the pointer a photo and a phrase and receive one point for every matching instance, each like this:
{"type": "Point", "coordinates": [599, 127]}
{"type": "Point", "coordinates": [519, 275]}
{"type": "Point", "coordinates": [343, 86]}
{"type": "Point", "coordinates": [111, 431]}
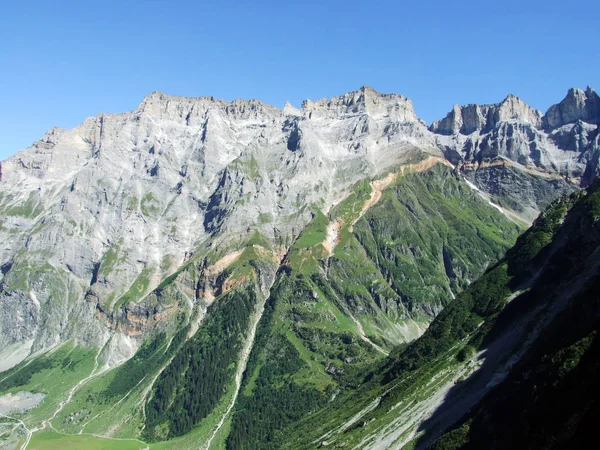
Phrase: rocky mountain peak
{"type": "Point", "coordinates": [291, 110]}
{"type": "Point", "coordinates": [470, 118]}
{"type": "Point", "coordinates": [365, 100]}
{"type": "Point", "coordinates": [186, 109]}
{"type": "Point", "coordinates": [577, 105]}
{"type": "Point", "coordinates": [513, 108]}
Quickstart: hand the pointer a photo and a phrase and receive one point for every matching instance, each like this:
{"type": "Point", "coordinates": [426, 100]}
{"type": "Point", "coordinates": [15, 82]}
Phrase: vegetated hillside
{"type": "Point", "coordinates": [551, 398]}
{"type": "Point", "coordinates": [330, 317]}
{"type": "Point", "coordinates": [515, 355]}
{"type": "Point", "coordinates": [342, 297]}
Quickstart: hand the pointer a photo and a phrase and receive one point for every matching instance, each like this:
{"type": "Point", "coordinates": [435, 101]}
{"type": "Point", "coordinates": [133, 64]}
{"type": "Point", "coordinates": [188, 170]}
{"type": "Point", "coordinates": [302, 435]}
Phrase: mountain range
{"type": "Point", "coordinates": [207, 274]}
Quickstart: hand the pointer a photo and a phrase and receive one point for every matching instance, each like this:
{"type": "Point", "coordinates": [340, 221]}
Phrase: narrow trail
{"type": "Point", "coordinates": [100, 436]}
{"type": "Point", "coordinates": [73, 390]}
{"type": "Point", "coordinates": [62, 404]}
{"type": "Point", "coordinates": [244, 355]}
{"type": "Point", "coordinates": [27, 430]}
{"type": "Point", "coordinates": [106, 411]}
{"type": "Point", "coordinates": [12, 430]}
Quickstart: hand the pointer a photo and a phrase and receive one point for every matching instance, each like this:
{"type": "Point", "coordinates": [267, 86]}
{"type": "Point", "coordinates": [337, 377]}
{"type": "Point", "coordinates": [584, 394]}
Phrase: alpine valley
{"type": "Point", "coordinates": [203, 274]}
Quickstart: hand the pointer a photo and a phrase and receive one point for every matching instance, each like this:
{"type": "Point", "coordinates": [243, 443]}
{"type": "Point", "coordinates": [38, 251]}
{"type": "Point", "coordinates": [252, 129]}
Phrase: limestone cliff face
{"type": "Point", "coordinates": [578, 105]}
{"type": "Point", "coordinates": [93, 219]}
{"type": "Point", "coordinates": [364, 101]}
{"type": "Point", "coordinates": [562, 144]}
{"type": "Point", "coordinates": [109, 209]}
{"type": "Point", "coordinates": [483, 118]}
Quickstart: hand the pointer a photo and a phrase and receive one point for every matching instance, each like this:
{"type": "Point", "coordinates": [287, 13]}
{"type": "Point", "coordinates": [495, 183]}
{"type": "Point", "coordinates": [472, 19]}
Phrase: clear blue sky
{"type": "Point", "coordinates": [61, 61]}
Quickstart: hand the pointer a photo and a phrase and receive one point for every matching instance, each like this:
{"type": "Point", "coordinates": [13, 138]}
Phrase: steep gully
{"type": "Point", "coordinates": [241, 368]}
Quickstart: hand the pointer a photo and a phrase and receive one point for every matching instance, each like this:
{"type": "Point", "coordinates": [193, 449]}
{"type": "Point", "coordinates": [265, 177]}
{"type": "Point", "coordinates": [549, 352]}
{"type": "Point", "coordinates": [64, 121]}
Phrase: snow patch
{"type": "Point", "coordinates": [484, 196]}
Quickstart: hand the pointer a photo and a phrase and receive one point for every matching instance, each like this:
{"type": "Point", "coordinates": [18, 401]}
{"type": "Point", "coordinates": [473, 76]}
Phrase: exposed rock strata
{"type": "Point", "coordinates": [93, 219]}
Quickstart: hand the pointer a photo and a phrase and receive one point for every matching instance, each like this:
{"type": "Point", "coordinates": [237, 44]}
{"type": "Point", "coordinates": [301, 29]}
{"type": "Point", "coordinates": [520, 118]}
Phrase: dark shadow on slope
{"type": "Point", "coordinates": [562, 305]}
{"type": "Point", "coordinates": [466, 394]}
{"type": "Point", "coordinates": [547, 400]}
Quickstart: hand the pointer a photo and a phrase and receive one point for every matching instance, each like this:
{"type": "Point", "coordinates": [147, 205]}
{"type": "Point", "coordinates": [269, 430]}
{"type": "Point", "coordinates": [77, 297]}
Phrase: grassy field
{"type": "Point", "coordinates": [50, 440]}
{"type": "Point", "coordinates": [60, 370]}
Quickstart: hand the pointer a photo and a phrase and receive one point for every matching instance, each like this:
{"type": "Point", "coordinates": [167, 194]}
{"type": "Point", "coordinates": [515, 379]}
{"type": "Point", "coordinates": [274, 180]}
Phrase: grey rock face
{"type": "Point", "coordinates": [562, 143]}
{"type": "Point", "coordinates": [93, 219]}
{"type": "Point", "coordinates": [483, 118]}
{"type": "Point", "coordinates": [518, 191]}
{"type": "Point", "coordinates": [577, 105]}
{"type": "Point", "coordinates": [96, 217]}
{"type": "Point", "coordinates": [364, 101]}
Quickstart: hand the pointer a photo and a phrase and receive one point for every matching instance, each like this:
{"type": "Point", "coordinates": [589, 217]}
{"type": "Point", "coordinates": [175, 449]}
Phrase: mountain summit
{"type": "Point", "coordinates": [484, 118]}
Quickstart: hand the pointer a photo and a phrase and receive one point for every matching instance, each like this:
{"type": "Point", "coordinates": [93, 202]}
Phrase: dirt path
{"type": "Point", "coordinates": [27, 430]}
{"type": "Point", "coordinates": [74, 389]}
{"type": "Point", "coordinates": [62, 404]}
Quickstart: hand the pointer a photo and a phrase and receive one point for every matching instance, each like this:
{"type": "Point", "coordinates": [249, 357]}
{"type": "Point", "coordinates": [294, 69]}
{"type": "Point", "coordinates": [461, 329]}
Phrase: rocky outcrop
{"type": "Point", "coordinates": [122, 202]}
{"type": "Point", "coordinates": [517, 190]}
{"type": "Point", "coordinates": [562, 144]}
{"type": "Point", "coordinates": [364, 101]}
{"type": "Point", "coordinates": [578, 105]}
{"type": "Point", "coordinates": [483, 118]}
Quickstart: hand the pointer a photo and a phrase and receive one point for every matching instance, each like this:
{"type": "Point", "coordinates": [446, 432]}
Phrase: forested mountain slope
{"type": "Point", "coordinates": [512, 362]}
{"type": "Point", "coordinates": [550, 399]}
